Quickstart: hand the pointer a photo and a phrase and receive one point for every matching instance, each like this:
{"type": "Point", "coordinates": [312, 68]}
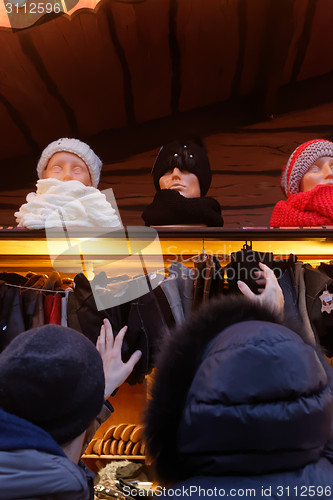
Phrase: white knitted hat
{"type": "Point", "coordinates": [77, 147]}
{"type": "Point", "coordinates": [300, 161]}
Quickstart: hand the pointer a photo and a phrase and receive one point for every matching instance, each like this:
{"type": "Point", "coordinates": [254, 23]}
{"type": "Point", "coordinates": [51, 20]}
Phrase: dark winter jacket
{"type": "Point", "coordinates": [34, 467]}
{"type": "Point", "coordinates": [240, 401]}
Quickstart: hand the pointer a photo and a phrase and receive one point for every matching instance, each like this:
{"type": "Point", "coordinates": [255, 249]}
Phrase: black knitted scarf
{"type": "Point", "coordinates": [169, 207]}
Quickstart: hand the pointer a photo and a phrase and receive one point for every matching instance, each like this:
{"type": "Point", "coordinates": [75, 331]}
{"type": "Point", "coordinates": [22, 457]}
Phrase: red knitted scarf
{"type": "Point", "coordinates": [312, 208]}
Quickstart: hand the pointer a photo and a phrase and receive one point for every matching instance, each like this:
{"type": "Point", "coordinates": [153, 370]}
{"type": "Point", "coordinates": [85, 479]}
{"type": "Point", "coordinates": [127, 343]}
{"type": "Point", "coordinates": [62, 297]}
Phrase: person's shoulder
{"type": "Point", "coordinates": [37, 473]}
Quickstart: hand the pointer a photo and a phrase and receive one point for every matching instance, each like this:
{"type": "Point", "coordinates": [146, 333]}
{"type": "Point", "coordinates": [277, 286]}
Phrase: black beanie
{"type": "Point", "coordinates": [188, 155]}
{"type": "Point", "coordinates": [53, 377]}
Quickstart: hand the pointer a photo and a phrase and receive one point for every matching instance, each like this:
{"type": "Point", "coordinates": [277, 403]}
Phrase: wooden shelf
{"type": "Point", "coordinates": [184, 233]}
{"type": "Point", "coordinates": [115, 457]}
{"type": "Point", "coordinates": [23, 249]}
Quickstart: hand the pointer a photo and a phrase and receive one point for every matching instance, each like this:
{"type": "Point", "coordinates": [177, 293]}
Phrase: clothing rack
{"type": "Point", "coordinates": [164, 270]}
{"type": "Point", "coordinates": [22, 249]}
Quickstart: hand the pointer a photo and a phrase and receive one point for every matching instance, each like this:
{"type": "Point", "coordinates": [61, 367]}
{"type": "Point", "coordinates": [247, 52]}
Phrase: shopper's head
{"type": "Point", "coordinates": [53, 377]}
{"type": "Point", "coordinates": [183, 166]}
{"type": "Point", "coordinates": [236, 393]}
{"type": "Point", "coordinates": [309, 165]}
{"type": "Point", "coordinates": [70, 159]}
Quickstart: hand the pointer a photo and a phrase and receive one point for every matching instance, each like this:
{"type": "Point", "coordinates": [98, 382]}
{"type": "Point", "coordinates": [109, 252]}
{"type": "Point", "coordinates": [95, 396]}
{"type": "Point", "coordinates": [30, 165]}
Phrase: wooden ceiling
{"type": "Point", "coordinates": [127, 62]}
{"type": "Point", "coordinates": [130, 75]}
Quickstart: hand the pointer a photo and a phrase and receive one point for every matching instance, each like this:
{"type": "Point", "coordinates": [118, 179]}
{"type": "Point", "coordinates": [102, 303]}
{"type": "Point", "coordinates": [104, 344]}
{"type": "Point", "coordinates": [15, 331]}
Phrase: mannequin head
{"type": "Point", "coordinates": [183, 167]}
{"type": "Point", "coordinates": [66, 166]}
{"type": "Point", "coordinates": [310, 165]}
{"type": "Point", "coordinates": [183, 181]}
{"type": "Point", "coordinates": [320, 172]}
{"type": "Point", "coordinates": [70, 159]}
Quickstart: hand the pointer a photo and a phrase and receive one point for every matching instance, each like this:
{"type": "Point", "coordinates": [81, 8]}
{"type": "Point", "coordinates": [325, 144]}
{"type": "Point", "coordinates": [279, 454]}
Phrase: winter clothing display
{"type": "Point", "coordinates": [82, 304]}
{"type": "Point", "coordinates": [11, 315]}
{"type": "Point", "coordinates": [291, 312]}
{"type": "Point", "coordinates": [169, 207]}
{"type": "Point", "coordinates": [308, 209]}
{"type": "Point", "coordinates": [300, 161]}
{"type": "Point", "coordinates": [171, 290]}
{"type": "Point", "coordinates": [52, 309]}
{"type": "Point", "coordinates": [53, 377]}
{"type": "Point", "coordinates": [77, 147]}
{"type": "Point", "coordinates": [243, 266]}
{"type": "Point", "coordinates": [308, 333]}
{"type": "Point", "coordinates": [245, 263]}
{"type": "Point", "coordinates": [71, 204]}
{"type": "Point", "coordinates": [146, 324]}
{"type": "Point", "coordinates": [316, 281]}
{"type": "Point", "coordinates": [254, 407]}
{"type": "Point", "coordinates": [184, 279]}
{"type": "Point", "coordinates": [198, 285]}
{"type": "Point", "coordinates": [189, 155]}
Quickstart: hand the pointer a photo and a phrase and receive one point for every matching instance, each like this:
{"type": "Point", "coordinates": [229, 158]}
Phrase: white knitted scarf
{"type": "Point", "coordinates": [56, 203]}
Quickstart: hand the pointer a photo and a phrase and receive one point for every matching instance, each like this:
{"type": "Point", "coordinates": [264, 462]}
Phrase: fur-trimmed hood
{"type": "Point", "coordinates": [235, 398]}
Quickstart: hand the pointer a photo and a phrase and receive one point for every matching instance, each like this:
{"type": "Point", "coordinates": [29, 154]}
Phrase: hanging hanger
{"type": "Point", "coordinates": [247, 245]}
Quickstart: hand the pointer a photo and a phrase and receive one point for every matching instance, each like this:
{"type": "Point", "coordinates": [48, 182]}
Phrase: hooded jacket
{"type": "Point", "coordinates": [34, 467]}
{"type": "Point", "coordinates": [240, 400]}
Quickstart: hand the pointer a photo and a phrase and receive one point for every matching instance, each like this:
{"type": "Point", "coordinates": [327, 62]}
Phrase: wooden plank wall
{"type": "Point", "coordinates": [131, 62]}
{"type": "Point", "coordinates": [124, 76]}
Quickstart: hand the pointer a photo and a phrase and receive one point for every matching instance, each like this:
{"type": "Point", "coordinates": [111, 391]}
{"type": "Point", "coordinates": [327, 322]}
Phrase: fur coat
{"type": "Point", "coordinates": [216, 411]}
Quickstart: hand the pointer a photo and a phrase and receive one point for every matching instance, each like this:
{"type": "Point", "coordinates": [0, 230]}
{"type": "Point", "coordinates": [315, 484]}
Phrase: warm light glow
{"type": "Point", "coordinates": [109, 254]}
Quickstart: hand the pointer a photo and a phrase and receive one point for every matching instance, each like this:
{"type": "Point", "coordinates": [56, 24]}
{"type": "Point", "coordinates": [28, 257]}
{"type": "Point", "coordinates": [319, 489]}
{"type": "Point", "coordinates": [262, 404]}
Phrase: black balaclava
{"type": "Point", "coordinates": [190, 155]}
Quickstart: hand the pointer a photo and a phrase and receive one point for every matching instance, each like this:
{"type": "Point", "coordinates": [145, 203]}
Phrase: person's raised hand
{"type": "Point", "coordinates": [270, 295]}
{"type": "Point", "coordinates": [115, 370]}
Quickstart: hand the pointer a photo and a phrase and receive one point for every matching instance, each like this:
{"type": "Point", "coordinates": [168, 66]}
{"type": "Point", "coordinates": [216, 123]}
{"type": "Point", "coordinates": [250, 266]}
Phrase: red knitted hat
{"type": "Point", "coordinates": [300, 161]}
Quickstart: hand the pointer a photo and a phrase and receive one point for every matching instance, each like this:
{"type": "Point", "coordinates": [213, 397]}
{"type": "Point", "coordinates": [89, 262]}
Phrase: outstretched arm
{"type": "Point", "coordinates": [270, 295]}
{"type": "Point", "coordinates": [115, 370]}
